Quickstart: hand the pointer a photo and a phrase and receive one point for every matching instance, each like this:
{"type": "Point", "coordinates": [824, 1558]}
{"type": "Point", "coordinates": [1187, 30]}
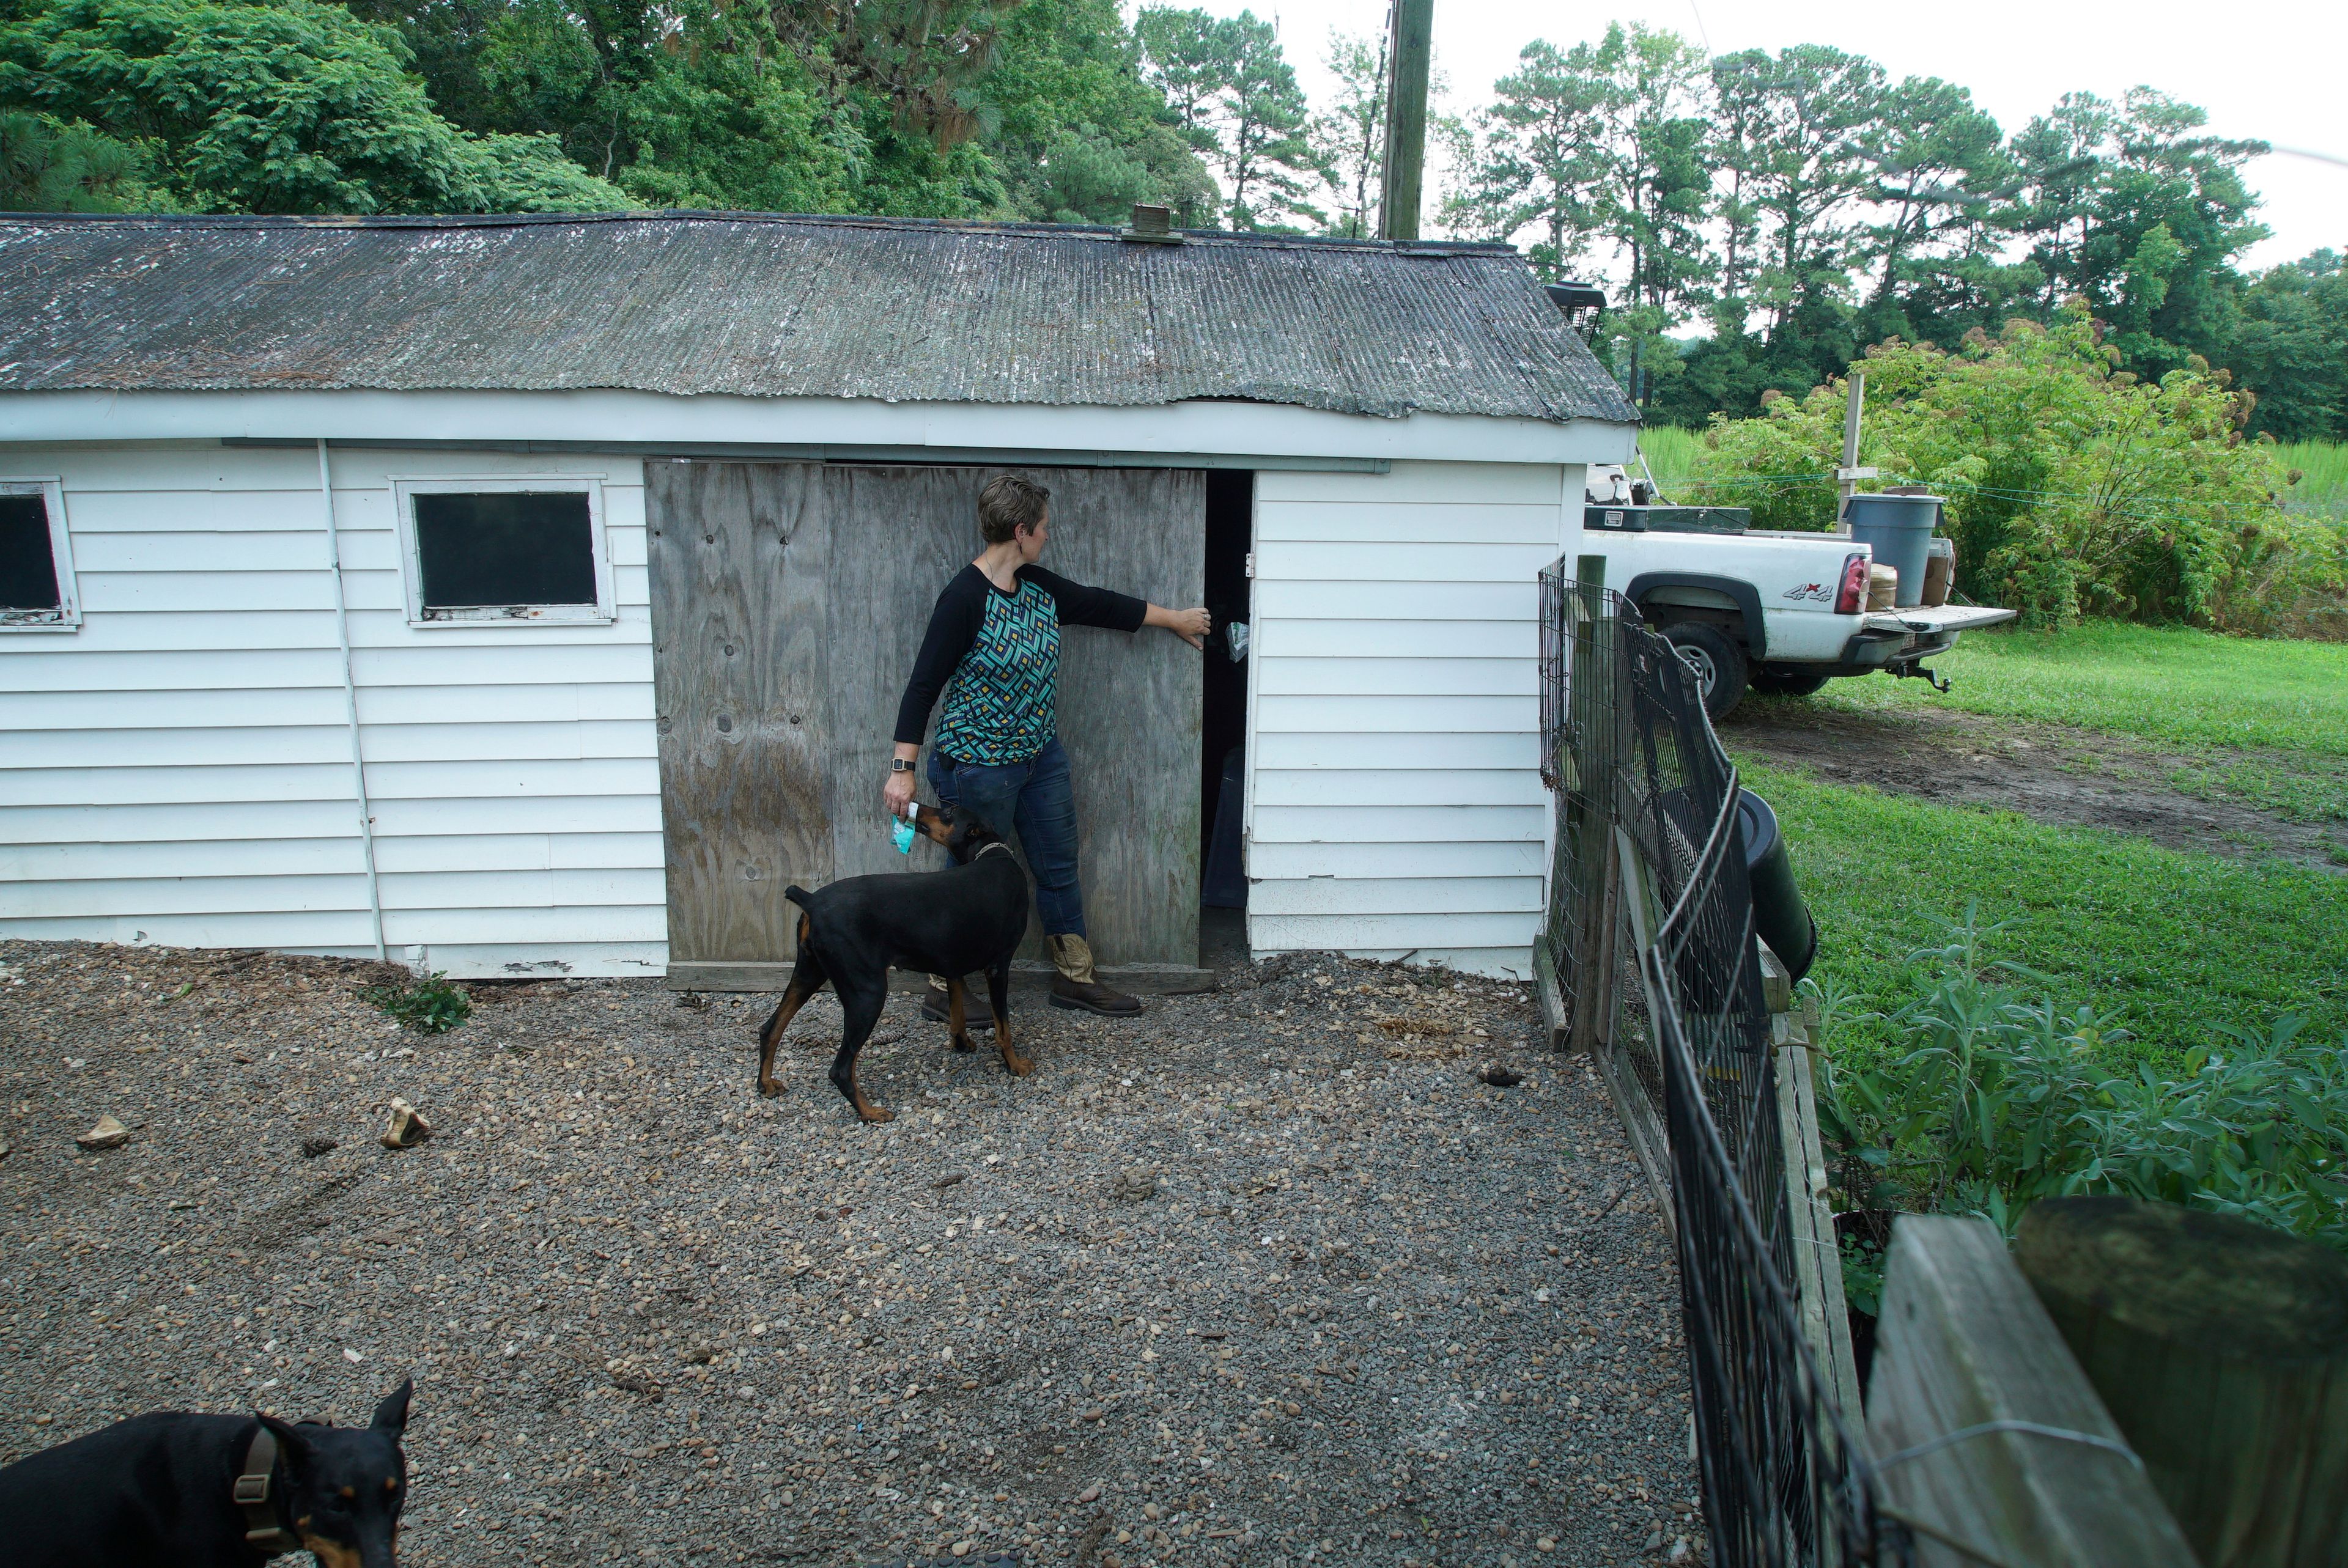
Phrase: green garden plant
{"type": "Point", "coordinates": [2075, 488]}
{"type": "Point", "coordinates": [429, 1006]}
{"type": "Point", "coordinates": [2004, 1096]}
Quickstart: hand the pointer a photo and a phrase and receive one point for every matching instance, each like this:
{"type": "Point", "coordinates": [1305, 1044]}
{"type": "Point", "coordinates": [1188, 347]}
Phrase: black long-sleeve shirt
{"type": "Point", "coordinates": [997, 657]}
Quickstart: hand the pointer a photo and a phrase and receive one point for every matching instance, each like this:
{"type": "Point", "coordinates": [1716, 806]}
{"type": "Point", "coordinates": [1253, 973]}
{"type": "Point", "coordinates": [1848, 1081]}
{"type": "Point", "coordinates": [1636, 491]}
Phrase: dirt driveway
{"type": "Point", "coordinates": [2068, 777]}
{"type": "Point", "coordinates": [1269, 1278]}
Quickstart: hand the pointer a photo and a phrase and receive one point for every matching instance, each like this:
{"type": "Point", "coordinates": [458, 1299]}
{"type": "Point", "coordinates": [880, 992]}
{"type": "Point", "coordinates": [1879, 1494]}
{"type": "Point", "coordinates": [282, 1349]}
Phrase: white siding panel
{"type": "Point", "coordinates": [349, 932]}
{"type": "Point", "coordinates": [505, 705]}
{"type": "Point", "coordinates": [1397, 823]}
{"type": "Point", "coordinates": [188, 896]}
{"type": "Point", "coordinates": [467, 780]}
{"type": "Point", "coordinates": [185, 858]}
{"type": "Point", "coordinates": [509, 741]}
{"type": "Point", "coordinates": [1401, 786]}
{"type": "Point", "coordinates": [1379, 639]}
{"type": "Point", "coordinates": [244, 782]}
{"type": "Point", "coordinates": [1322, 751]}
{"type": "Point", "coordinates": [1398, 600]}
{"type": "Point", "coordinates": [180, 822]}
{"type": "Point", "coordinates": [432, 818]}
{"type": "Point", "coordinates": [1286, 676]}
{"type": "Point", "coordinates": [1404, 563]}
{"type": "Point", "coordinates": [1399, 896]}
{"type": "Point", "coordinates": [520, 889]}
{"type": "Point", "coordinates": [1420, 484]}
{"type": "Point", "coordinates": [179, 770]}
{"type": "Point", "coordinates": [1394, 802]}
{"type": "Point", "coordinates": [74, 667]}
{"type": "Point", "coordinates": [155, 747]}
{"type": "Point", "coordinates": [1407, 715]}
{"type": "Point", "coordinates": [1400, 523]}
{"type": "Point", "coordinates": [233, 591]}
{"type": "Point", "coordinates": [195, 552]}
{"type": "Point", "coordinates": [225, 708]}
{"type": "Point", "coordinates": [1275, 862]}
{"type": "Point", "coordinates": [1355, 933]}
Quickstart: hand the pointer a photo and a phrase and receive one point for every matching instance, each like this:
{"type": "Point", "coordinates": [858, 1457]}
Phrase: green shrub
{"type": "Point", "coordinates": [431, 1005]}
{"type": "Point", "coordinates": [2074, 488]}
{"type": "Point", "coordinates": [2002, 1096]}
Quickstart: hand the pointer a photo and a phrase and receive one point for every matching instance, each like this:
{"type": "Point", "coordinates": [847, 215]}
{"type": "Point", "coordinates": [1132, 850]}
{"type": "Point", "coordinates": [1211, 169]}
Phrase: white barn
{"type": "Point", "coordinates": [255, 472]}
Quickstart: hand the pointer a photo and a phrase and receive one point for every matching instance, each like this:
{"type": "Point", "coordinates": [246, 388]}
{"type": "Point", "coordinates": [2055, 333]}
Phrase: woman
{"type": "Point", "coordinates": [994, 648]}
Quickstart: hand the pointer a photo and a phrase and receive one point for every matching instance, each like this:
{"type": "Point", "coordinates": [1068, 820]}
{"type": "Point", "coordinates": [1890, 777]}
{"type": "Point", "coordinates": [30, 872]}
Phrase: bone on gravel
{"type": "Point", "coordinates": [408, 1128]}
{"type": "Point", "coordinates": [108, 1134]}
{"type": "Point", "coordinates": [1373, 1310]}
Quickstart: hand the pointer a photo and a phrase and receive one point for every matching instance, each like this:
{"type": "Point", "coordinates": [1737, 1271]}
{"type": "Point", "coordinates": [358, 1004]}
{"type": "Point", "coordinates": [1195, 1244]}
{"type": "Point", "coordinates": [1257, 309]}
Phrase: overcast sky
{"type": "Point", "coordinates": [2270, 71]}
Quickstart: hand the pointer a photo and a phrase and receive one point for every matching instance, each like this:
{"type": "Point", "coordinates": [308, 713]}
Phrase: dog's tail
{"type": "Point", "coordinates": [799, 895]}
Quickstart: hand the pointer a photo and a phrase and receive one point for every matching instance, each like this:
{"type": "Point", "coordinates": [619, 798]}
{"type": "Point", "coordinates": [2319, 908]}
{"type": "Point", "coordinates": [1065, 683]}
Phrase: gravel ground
{"type": "Point", "coordinates": [1269, 1276]}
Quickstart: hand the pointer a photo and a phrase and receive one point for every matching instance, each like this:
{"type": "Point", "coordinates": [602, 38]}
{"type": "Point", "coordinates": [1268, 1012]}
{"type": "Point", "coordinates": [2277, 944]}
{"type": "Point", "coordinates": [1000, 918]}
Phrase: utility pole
{"type": "Point", "coordinates": [1409, 48]}
{"type": "Point", "coordinates": [1847, 477]}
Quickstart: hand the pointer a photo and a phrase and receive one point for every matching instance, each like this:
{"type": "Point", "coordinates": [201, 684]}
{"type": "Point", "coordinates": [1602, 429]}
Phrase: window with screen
{"type": "Point", "coordinates": [504, 551]}
{"type": "Point", "coordinates": [36, 572]}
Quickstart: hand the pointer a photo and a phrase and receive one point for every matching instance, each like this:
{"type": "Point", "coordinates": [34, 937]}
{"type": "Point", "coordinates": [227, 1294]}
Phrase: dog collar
{"type": "Point", "coordinates": [983, 848]}
{"type": "Point", "coordinates": [264, 1531]}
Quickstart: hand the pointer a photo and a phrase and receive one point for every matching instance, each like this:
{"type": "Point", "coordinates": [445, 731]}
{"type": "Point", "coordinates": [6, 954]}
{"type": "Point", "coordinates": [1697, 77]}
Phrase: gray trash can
{"type": "Point", "coordinates": [1899, 528]}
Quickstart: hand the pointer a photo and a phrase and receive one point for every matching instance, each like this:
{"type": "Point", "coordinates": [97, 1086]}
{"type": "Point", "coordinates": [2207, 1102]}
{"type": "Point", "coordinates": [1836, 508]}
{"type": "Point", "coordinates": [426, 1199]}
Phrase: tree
{"type": "Point", "coordinates": [49, 165]}
{"type": "Point", "coordinates": [2290, 346]}
{"type": "Point", "coordinates": [1527, 162]}
{"type": "Point", "coordinates": [1803, 116]}
{"type": "Point", "coordinates": [1078, 135]}
{"type": "Point", "coordinates": [1236, 99]}
{"type": "Point", "coordinates": [1349, 138]}
{"type": "Point", "coordinates": [291, 106]}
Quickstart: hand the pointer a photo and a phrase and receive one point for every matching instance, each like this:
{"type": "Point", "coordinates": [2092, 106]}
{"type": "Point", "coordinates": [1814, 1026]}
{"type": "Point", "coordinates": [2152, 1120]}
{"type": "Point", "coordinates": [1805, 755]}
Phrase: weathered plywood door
{"type": "Point", "coordinates": [796, 718]}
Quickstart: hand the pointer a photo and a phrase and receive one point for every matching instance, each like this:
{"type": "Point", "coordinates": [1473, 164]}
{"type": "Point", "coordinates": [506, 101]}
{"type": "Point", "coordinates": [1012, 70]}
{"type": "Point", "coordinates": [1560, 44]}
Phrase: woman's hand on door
{"type": "Point", "coordinates": [1190, 625]}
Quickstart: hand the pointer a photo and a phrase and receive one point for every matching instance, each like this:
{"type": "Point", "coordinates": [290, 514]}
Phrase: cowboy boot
{"type": "Point", "coordinates": [1076, 985]}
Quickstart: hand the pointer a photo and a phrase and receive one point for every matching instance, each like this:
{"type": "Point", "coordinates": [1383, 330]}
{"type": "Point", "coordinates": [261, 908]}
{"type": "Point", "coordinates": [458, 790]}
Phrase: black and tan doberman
{"type": "Point", "coordinates": [209, 1491]}
{"type": "Point", "coordinates": [959, 921]}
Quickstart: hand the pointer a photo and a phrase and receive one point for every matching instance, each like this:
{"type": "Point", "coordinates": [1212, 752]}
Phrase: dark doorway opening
{"type": "Point", "coordinates": [1222, 730]}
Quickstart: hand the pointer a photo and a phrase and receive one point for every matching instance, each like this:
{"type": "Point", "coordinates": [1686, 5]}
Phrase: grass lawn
{"type": "Point", "coordinates": [2167, 940]}
{"type": "Point", "coordinates": [2161, 683]}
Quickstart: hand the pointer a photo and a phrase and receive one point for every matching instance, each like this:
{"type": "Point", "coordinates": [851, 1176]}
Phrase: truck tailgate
{"type": "Point", "coordinates": [1940, 617]}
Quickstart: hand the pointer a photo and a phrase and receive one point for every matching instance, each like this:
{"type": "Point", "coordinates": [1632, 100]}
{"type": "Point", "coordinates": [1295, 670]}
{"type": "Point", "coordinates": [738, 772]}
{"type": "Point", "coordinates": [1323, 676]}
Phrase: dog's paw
{"type": "Point", "coordinates": [1020, 1066]}
{"type": "Point", "coordinates": [963, 1043]}
{"type": "Point", "coordinates": [875, 1114]}
{"type": "Point", "coordinates": [769, 1088]}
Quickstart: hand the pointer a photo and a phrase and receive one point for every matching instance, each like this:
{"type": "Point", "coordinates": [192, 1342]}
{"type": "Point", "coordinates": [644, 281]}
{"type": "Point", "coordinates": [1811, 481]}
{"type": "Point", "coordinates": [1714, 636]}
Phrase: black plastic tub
{"type": "Point", "coordinates": [1779, 915]}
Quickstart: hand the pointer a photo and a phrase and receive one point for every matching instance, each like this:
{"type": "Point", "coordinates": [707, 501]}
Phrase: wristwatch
{"type": "Point", "coordinates": [900, 764]}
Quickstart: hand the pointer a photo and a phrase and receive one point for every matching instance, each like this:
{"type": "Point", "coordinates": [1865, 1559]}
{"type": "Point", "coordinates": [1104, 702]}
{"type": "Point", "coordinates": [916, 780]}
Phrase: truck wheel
{"type": "Point", "coordinates": [1787, 683]}
{"type": "Point", "coordinates": [1717, 660]}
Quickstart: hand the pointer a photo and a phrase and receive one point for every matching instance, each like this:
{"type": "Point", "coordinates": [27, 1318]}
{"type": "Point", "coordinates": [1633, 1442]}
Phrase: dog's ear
{"type": "Point", "coordinates": [391, 1416]}
{"type": "Point", "coordinates": [289, 1441]}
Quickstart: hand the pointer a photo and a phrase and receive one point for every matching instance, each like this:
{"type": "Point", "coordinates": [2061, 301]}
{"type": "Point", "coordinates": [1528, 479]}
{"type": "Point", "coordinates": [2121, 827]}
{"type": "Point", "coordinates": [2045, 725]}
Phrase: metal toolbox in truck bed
{"type": "Point", "coordinates": [1628, 519]}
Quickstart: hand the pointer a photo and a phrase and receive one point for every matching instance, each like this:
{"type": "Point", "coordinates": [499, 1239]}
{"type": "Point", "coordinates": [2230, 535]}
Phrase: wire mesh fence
{"type": "Point", "coordinates": [1650, 936]}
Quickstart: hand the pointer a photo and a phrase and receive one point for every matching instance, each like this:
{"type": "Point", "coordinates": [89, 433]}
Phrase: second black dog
{"type": "Point", "coordinates": [173, 1488]}
{"type": "Point", "coordinates": [966, 918]}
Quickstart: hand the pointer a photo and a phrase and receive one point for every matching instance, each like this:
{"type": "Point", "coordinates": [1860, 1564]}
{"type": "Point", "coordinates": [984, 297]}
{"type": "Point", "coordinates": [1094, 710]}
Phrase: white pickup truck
{"type": "Point", "coordinates": [1760, 609]}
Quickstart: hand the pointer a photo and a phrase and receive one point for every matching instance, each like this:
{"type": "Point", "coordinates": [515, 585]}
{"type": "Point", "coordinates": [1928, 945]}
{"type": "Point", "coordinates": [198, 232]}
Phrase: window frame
{"type": "Point", "coordinates": [67, 617]}
{"type": "Point", "coordinates": [405, 487]}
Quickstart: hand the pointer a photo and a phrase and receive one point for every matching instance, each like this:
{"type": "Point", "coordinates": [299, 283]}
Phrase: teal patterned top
{"type": "Point", "coordinates": [996, 655]}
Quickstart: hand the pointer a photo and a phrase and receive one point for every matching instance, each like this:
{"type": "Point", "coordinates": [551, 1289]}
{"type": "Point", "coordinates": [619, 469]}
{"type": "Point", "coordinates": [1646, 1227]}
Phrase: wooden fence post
{"type": "Point", "coordinates": [2221, 1348]}
{"type": "Point", "coordinates": [1965, 1344]}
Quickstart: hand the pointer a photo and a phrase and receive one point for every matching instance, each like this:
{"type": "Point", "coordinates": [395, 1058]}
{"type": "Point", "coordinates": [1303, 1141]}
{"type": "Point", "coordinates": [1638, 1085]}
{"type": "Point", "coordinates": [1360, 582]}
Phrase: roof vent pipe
{"type": "Point", "coordinates": [1150, 226]}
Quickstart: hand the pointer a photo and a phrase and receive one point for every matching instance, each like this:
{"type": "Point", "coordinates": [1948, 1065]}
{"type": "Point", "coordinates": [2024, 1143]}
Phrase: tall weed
{"type": "Point", "coordinates": [2003, 1097]}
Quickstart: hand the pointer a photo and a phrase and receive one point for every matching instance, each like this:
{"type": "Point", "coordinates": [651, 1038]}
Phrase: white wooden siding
{"type": "Point", "coordinates": [177, 771]}
{"type": "Point", "coordinates": [1395, 803]}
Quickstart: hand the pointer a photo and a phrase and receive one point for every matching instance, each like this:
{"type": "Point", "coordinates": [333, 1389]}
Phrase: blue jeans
{"type": "Point", "coordinates": [1036, 800]}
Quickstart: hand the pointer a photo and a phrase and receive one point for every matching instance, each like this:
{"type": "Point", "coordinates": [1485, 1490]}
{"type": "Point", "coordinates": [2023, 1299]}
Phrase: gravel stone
{"type": "Point", "coordinates": [1369, 1310]}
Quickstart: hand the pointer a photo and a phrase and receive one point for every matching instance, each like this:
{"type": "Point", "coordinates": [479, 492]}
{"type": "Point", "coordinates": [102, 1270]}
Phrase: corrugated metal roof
{"type": "Point", "coordinates": [776, 306]}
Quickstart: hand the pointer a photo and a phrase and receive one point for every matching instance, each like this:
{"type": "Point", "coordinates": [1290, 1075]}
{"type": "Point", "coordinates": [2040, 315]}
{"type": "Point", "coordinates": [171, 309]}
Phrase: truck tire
{"type": "Point", "coordinates": [1717, 659]}
{"type": "Point", "coordinates": [1787, 683]}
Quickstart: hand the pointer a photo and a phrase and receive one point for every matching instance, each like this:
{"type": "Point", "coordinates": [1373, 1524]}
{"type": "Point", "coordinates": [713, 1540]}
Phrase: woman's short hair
{"type": "Point", "coordinates": [1008, 504]}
